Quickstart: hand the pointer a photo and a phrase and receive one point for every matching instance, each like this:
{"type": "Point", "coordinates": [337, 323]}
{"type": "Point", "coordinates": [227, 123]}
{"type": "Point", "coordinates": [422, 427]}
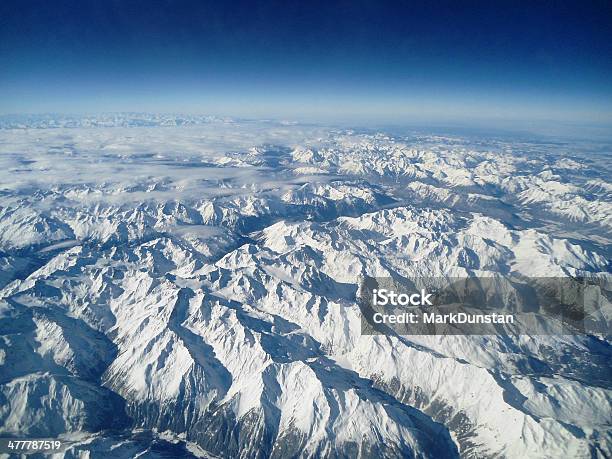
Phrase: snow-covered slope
{"type": "Point", "coordinates": [192, 291]}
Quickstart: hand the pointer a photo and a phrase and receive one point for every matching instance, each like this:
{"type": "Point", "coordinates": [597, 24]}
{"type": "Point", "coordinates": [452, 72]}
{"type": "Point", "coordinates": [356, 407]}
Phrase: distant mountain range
{"type": "Point", "coordinates": [186, 286]}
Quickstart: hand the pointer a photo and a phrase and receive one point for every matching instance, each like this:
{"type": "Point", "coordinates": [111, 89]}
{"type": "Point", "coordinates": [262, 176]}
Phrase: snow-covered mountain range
{"type": "Point", "coordinates": [183, 286]}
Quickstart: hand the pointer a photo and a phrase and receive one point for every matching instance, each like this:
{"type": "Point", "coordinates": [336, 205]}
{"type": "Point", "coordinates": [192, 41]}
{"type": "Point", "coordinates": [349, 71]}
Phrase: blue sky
{"type": "Point", "coordinates": [358, 60]}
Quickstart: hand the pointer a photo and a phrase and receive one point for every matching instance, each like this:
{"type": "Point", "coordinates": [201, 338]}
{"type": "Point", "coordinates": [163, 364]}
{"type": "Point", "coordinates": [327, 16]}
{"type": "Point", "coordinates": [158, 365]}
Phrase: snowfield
{"type": "Point", "coordinates": [186, 286]}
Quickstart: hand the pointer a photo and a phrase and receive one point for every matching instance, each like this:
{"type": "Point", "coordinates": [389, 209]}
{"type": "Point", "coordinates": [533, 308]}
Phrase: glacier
{"type": "Point", "coordinates": [183, 286]}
